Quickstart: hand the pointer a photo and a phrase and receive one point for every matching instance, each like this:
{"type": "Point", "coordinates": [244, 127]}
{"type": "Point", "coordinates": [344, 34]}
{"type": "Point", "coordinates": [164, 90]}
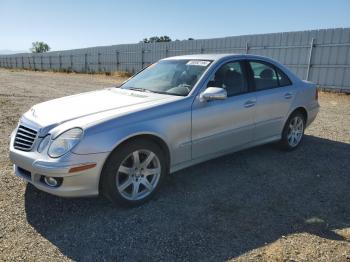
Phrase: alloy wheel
{"type": "Point", "coordinates": [138, 174]}
{"type": "Point", "coordinates": [295, 131]}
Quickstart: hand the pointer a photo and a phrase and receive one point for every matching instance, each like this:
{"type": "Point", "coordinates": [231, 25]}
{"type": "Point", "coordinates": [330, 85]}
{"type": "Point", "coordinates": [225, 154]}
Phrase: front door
{"type": "Point", "coordinates": [223, 125]}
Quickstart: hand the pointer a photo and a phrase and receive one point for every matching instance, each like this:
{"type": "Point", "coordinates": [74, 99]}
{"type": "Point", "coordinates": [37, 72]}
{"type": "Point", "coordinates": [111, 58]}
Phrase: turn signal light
{"type": "Point", "coordinates": [81, 168]}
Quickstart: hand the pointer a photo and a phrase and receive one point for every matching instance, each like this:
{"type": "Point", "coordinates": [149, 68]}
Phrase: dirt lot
{"type": "Point", "coordinates": [260, 204]}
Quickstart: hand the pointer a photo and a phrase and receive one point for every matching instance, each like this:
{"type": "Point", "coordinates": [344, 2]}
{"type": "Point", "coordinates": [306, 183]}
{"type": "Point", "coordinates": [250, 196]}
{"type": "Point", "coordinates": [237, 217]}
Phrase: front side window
{"type": "Point", "coordinates": [264, 76]}
{"type": "Point", "coordinates": [173, 77]}
{"type": "Point", "coordinates": [230, 77]}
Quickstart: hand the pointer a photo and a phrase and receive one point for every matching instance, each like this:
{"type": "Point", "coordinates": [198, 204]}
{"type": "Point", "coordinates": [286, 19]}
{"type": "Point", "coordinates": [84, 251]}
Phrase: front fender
{"type": "Point", "coordinates": [96, 141]}
{"type": "Point", "coordinates": [171, 124]}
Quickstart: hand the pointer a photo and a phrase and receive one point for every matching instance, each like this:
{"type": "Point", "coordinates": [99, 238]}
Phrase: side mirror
{"type": "Point", "coordinates": [213, 93]}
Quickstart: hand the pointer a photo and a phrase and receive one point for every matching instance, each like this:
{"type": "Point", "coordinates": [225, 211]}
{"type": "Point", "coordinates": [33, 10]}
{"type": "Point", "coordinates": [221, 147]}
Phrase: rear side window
{"type": "Point", "coordinates": [264, 76]}
{"type": "Point", "coordinates": [283, 79]}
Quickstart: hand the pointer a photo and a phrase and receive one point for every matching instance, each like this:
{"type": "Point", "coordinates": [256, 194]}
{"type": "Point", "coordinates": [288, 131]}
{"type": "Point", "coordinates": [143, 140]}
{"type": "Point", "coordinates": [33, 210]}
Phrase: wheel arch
{"type": "Point", "coordinates": [302, 110]}
{"type": "Point", "coordinates": [147, 136]}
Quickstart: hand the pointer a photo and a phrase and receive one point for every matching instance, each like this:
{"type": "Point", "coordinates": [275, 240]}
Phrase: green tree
{"type": "Point", "coordinates": [155, 39]}
{"type": "Point", "coordinates": [164, 38]}
{"type": "Point", "coordinates": [39, 47]}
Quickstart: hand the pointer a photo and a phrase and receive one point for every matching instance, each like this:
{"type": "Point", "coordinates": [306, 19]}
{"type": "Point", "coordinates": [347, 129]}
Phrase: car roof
{"type": "Point", "coordinates": [215, 57]}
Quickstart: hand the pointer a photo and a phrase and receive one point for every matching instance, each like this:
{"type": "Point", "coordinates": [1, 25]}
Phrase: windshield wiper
{"type": "Point", "coordinates": [146, 90]}
{"type": "Point", "coordinates": [152, 91]}
{"type": "Point", "coordinates": [138, 89]}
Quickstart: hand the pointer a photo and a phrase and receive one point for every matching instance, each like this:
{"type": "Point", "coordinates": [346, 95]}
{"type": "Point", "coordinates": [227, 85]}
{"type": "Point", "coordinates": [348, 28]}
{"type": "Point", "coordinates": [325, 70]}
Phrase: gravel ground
{"type": "Point", "coordinates": [261, 204]}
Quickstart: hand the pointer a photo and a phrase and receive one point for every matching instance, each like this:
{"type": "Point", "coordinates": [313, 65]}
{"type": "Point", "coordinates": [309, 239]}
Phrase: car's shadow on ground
{"type": "Point", "coordinates": [215, 210]}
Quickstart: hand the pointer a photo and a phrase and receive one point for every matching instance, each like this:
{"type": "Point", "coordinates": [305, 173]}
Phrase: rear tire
{"type": "Point", "coordinates": [133, 173]}
{"type": "Point", "coordinates": [293, 131]}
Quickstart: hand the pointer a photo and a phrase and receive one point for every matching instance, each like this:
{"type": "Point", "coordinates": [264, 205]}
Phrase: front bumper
{"type": "Point", "coordinates": [31, 166]}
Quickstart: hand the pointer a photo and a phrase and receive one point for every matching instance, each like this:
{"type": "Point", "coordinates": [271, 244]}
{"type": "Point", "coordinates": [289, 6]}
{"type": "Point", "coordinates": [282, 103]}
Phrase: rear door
{"type": "Point", "coordinates": [222, 125]}
{"type": "Point", "coordinates": [274, 93]}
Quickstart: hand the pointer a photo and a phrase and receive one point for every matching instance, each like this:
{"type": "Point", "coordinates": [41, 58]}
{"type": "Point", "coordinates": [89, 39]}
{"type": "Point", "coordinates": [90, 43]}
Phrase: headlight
{"type": "Point", "coordinates": [43, 144]}
{"type": "Point", "coordinates": [65, 142]}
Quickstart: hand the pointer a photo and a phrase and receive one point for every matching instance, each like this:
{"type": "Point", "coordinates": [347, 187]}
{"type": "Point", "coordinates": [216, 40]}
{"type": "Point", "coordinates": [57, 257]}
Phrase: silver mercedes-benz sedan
{"type": "Point", "coordinates": [122, 142]}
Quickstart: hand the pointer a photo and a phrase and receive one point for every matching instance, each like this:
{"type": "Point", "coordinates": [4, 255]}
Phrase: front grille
{"type": "Point", "coordinates": [25, 138]}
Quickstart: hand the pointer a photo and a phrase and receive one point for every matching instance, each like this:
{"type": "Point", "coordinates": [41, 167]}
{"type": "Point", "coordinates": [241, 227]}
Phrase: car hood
{"type": "Point", "coordinates": [64, 109]}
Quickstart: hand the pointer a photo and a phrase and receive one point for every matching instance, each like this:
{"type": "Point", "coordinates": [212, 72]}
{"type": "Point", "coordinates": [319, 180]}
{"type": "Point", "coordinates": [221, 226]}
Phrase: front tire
{"type": "Point", "coordinates": [133, 173]}
{"type": "Point", "coordinates": [293, 131]}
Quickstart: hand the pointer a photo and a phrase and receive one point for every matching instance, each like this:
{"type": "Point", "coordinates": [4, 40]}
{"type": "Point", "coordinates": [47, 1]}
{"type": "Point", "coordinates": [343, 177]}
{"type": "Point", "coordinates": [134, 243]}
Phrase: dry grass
{"type": "Point", "coordinates": [114, 74]}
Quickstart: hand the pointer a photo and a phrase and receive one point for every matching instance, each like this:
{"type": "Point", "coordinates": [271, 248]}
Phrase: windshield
{"type": "Point", "coordinates": [173, 77]}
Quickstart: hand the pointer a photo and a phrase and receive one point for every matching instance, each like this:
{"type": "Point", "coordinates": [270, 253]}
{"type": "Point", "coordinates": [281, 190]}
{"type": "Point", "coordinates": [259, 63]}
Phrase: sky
{"type": "Point", "coordinates": [65, 24]}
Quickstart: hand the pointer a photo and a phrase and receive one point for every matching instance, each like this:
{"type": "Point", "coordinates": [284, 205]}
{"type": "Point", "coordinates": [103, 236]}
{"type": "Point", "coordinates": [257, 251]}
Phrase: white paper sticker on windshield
{"type": "Point", "coordinates": [198, 63]}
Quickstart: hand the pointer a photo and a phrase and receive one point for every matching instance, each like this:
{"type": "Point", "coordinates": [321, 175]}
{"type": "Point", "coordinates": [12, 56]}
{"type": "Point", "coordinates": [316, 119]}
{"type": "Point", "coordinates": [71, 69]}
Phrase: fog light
{"type": "Point", "coordinates": [52, 181]}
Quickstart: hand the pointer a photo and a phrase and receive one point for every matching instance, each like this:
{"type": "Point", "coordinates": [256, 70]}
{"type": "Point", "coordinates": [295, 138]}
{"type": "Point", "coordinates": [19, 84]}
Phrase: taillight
{"type": "Point", "coordinates": [316, 94]}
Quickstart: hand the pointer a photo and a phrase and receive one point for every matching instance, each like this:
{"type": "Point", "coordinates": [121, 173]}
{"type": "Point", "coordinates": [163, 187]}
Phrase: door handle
{"type": "Point", "coordinates": [249, 103]}
{"type": "Point", "coordinates": [288, 95]}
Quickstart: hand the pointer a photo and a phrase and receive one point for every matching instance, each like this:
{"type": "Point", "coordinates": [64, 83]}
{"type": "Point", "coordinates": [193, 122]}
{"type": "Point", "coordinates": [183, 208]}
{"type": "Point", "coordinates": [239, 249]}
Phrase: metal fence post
{"type": "Point", "coordinates": [85, 63]}
{"type": "Point", "coordinates": [34, 66]}
{"type": "Point", "coordinates": [41, 62]}
{"type": "Point", "coordinates": [166, 51]}
{"type": "Point", "coordinates": [117, 59]}
{"type": "Point", "coordinates": [22, 62]}
{"type": "Point", "coordinates": [71, 62]}
{"type": "Point", "coordinates": [309, 60]}
{"type": "Point", "coordinates": [60, 61]}
{"type": "Point", "coordinates": [202, 50]}
{"type": "Point", "coordinates": [142, 57]}
{"type": "Point", "coordinates": [99, 61]}
{"type": "Point", "coordinates": [50, 63]}
{"type": "Point", "coordinates": [246, 47]}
